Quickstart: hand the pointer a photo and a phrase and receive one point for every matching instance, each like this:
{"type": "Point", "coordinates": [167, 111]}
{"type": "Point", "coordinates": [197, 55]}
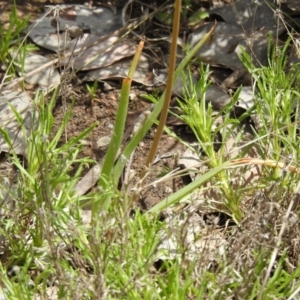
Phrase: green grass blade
{"type": "Point", "coordinates": [117, 137]}
{"type": "Point", "coordinates": [179, 195]}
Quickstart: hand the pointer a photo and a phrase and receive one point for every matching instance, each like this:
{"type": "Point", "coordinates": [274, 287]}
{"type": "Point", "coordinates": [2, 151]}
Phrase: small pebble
{"type": "Point", "coordinates": [168, 190]}
{"type": "Point", "coordinates": [103, 141]}
{"type": "Point", "coordinates": [132, 96]}
{"type": "Point", "coordinates": [14, 271]}
{"type": "Point", "coordinates": [2, 297]}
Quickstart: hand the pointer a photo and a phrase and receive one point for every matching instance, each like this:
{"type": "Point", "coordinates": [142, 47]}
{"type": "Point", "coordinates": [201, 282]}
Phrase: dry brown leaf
{"type": "Point", "coordinates": [21, 102]}
{"type": "Point", "coordinates": [49, 30]}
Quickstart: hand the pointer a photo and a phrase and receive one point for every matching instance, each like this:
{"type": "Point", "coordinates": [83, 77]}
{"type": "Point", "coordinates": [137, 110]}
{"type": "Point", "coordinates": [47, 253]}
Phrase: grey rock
{"type": "Point", "coordinates": [103, 142]}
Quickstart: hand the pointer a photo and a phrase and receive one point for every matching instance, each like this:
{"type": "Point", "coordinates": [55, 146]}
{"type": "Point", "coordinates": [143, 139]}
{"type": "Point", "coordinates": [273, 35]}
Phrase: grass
{"type": "Point", "coordinates": [121, 253]}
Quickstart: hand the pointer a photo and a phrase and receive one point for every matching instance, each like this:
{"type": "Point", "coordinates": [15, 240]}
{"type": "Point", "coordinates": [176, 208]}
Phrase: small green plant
{"type": "Point", "coordinates": [92, 91]}
{"type": "Point", "coordinates": [198, 115]}
{"type": "Point", "coordinates": [44, 190]}
{"type": "Point", "coordinates": [277, 106]}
